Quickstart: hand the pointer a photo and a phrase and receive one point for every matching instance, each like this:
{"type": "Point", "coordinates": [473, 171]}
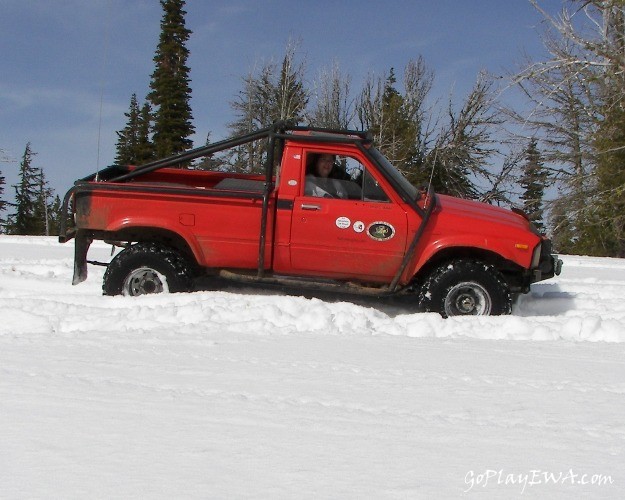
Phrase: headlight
{"type": "Point", "coordinates": [536, 256]}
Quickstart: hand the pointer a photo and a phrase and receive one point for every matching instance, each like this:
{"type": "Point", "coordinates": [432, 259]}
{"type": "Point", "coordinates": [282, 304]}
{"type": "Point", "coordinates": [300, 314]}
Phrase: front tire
{"type": "Point", "coordinates": [465, 288]}
{"type": "Point", "coordinates": [147, 268]}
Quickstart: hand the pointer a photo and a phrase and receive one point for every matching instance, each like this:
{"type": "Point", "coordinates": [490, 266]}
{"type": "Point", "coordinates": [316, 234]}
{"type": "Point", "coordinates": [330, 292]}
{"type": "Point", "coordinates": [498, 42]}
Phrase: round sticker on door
{"type": "Point", "coordinates": [358, 226]}
{"type": "Point", "coordinates": [381, 231]}
{"type": "Point", "coordinates": [343, 223]}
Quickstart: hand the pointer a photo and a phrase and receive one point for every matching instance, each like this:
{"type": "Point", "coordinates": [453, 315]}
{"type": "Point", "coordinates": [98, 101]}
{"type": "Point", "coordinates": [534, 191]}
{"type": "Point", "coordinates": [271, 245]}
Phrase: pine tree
{"type": "Point", "coordinates": [208, 162]}
{"type": "Point", "coordinates": [606, 227]}
{"type": "Point", "coordinates": [42, 214]}
{"type": "Point", "coordinates": [133, 141]}
{"type": "Point", "coordinates": [24, 220]}
{"type": "Point", "coordinates": [3, 203]}
{"type": "Point", "coordinates": [383, 111]}
{"type": "Point", "coordinates": [127, 138]}
{"type": "Point", "coordinates": [55, 214]}
{"type": "Point", "coordinates": [577, 98]}
{"type": "Point", "coordinates": [145, 148]}
{"type": "Point", "coordinates": [171, 93]}
{"type": "Point", "coordinates": [533, 182]}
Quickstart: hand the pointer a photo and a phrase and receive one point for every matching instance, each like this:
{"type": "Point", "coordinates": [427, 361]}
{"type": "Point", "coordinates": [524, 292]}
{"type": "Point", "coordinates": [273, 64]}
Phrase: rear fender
{"type": "Point", "coordinates": [151, 229]}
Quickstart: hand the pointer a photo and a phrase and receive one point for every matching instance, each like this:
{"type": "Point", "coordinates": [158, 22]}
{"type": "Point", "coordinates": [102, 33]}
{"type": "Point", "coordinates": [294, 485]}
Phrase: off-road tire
{"type": "Point", "coordinates": [465, 287]}
{"type": "Point", "coordinates": [146, 268]}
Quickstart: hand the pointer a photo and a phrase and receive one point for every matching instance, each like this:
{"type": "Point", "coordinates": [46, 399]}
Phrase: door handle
{"type": "Point", "coordinates": [310, 206]}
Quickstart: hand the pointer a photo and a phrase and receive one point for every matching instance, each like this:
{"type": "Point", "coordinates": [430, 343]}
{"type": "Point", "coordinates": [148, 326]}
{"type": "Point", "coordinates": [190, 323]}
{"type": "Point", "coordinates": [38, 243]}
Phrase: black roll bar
{"type": "Point", "coordinates": [431, 196]}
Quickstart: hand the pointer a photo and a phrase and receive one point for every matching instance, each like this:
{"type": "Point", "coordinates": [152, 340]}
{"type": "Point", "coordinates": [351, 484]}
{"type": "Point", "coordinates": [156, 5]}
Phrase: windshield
{"type": "Point", "coordinates": [400, 183]}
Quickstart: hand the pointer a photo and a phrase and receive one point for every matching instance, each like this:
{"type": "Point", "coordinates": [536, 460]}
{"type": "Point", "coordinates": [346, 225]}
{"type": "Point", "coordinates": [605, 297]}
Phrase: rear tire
{"type": "Point", "coordinates": [465, 288]}
{"type": "Point", "coordinates": [147, 268]}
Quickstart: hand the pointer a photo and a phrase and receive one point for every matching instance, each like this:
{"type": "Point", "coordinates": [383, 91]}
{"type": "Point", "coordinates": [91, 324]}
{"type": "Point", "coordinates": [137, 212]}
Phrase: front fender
{"type": "Point", "coordinates": [517, 252]}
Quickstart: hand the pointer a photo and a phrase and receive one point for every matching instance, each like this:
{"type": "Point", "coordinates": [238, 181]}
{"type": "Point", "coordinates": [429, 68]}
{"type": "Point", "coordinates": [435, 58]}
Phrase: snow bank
{"type": "Point", "coordinates": [586, 303]}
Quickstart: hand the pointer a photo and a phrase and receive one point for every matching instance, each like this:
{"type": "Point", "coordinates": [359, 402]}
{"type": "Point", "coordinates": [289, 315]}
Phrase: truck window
{"type": "Point", "coordinates": [340, 176]}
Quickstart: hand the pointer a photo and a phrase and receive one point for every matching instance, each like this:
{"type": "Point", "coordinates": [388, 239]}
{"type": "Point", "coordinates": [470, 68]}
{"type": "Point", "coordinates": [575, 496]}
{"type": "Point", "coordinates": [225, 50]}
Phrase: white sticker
{"type": "Point", "coordinates": [359, 226]}
{"type": "Point", "coordinates": [297, 157]}
{"type": "Point", "coordinates": [292, 182]}
{"type": "Point", "coordinates": [343, 223]}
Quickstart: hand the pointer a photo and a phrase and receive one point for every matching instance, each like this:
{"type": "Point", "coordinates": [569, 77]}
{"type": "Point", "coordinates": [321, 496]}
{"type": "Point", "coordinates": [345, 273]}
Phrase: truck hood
{"type": "Point", "coordinates": [450, 206]}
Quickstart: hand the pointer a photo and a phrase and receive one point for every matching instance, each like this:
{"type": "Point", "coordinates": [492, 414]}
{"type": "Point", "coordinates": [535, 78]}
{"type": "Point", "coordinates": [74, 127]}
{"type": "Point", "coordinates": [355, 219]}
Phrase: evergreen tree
{"type": "Point", "coordinates": [208, 162]}
{"type": "Point", "coordinates": [55, 214]}
{"type": "Point", "coordinates": [533, 182]}
{"type": "Point", "coordinates": [171, 93]}
{"type": "Point", "coordinates": [145, 148]}
{"type": "Point", "coordinates": [24, 220]}
{"type": "Point", "coordinates": [577, 98]}
{"type": "Point", "coordinates": [133, 141]}
{"type": "Point", "coordinates": [606, 227]}
{"type": "Point", "coordinates": [42, 214]}
{"type": "Point", "coordinates": [452, 157]}
{"type": "Point", "coordinates": [3, 203]}
{"type": "Point", "coordinates": [383, 111]}
{"type": "Point", "coordinates": [127, 138]}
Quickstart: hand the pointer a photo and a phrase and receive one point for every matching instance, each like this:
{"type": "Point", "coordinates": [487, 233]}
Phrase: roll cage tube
{"type": "Point", "coordinates": [415, 241]}
{"type": "Point", "coordinates": [269, 186]}
{"type": "Point", "coordinates": [276, 131]}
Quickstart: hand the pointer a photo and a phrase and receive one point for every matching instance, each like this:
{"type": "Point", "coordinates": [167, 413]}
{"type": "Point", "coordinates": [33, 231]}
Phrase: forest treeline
{"type": "Point", "coordinates": [560, 156]}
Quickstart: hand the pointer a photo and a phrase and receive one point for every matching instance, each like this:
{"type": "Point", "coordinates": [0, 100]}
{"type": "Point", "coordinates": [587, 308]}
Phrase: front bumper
{"type": "Point", "coordinates": [548, 268]}
{"type": "Point", "coordinates": [549, 265]}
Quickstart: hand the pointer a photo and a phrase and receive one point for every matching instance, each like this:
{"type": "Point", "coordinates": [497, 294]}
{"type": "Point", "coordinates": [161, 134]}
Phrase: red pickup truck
{"type": "Point", "coordinates": [262, 208]}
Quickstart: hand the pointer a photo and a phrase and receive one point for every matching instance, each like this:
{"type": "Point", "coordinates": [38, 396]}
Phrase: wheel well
{"type": "Point", "coordinates": [510, 271]}
{"type": "Point", "coordinates": [150, 234]}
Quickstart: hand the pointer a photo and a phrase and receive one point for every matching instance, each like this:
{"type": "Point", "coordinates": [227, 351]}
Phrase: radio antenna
{"type": "Point", "coordinates": [427, 195]}
{"type": "Point", "coordinates": [107, 29]}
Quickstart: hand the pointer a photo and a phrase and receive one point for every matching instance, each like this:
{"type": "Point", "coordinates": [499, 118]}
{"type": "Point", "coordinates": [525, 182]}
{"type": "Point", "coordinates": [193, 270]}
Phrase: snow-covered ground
{"type": "Point", "coordinates": [241, 394]}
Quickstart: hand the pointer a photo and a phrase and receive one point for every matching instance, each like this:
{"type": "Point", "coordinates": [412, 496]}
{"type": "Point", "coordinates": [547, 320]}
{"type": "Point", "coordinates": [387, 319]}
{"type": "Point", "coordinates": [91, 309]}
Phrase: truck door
{"type": "Point", "coordinates": [346, 225]}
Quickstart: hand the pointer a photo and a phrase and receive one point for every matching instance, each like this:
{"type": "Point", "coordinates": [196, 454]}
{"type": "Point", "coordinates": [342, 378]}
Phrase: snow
{"type": "Point", "coordinates": [240, 393]}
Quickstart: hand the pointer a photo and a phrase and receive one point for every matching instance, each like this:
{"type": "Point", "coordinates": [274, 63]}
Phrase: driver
{"type": "Point", "coordinates": [319, 181]}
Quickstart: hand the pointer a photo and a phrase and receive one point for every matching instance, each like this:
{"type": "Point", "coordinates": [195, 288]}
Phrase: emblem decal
{"type": "Point", "coordinates": [343, 223]}
{"type": "Point", "coordinates": [380, 231]}
{"type": "Point", "coordinates": [359, 226]}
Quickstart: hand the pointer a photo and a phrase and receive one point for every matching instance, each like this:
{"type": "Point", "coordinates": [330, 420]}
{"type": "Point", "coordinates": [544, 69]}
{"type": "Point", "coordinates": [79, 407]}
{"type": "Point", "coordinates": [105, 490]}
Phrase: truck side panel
{"type": "Point", "coordinates": [221, 231]}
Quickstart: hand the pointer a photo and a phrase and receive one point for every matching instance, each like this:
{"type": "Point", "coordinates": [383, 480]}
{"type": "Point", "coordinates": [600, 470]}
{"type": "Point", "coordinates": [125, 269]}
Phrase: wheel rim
{"type": "Point", "coordinates": [143, 281]}
{"type": "Point", "coordinates": [468, 299]}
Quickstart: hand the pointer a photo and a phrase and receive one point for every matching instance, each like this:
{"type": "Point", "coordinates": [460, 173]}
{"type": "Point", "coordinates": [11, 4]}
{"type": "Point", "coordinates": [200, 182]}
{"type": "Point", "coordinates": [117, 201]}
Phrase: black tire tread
{"type": "Point", "coordinates": [432, 293]}
{"type": "Point", "coordinates": [162, 258]}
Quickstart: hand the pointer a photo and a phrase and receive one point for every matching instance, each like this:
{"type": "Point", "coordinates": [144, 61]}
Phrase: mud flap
{"type": "Point", "coordinates": [81, 247]}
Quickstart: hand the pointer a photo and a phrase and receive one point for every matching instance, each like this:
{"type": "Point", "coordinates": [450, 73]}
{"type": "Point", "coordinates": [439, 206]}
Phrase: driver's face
{"type": "Point", "coordinates": [324, 165]}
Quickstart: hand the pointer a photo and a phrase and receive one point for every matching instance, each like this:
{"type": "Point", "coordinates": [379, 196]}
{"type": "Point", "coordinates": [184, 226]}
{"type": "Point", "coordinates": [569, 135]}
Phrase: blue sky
{"type": "Point", "coordinates": [58, 58]}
